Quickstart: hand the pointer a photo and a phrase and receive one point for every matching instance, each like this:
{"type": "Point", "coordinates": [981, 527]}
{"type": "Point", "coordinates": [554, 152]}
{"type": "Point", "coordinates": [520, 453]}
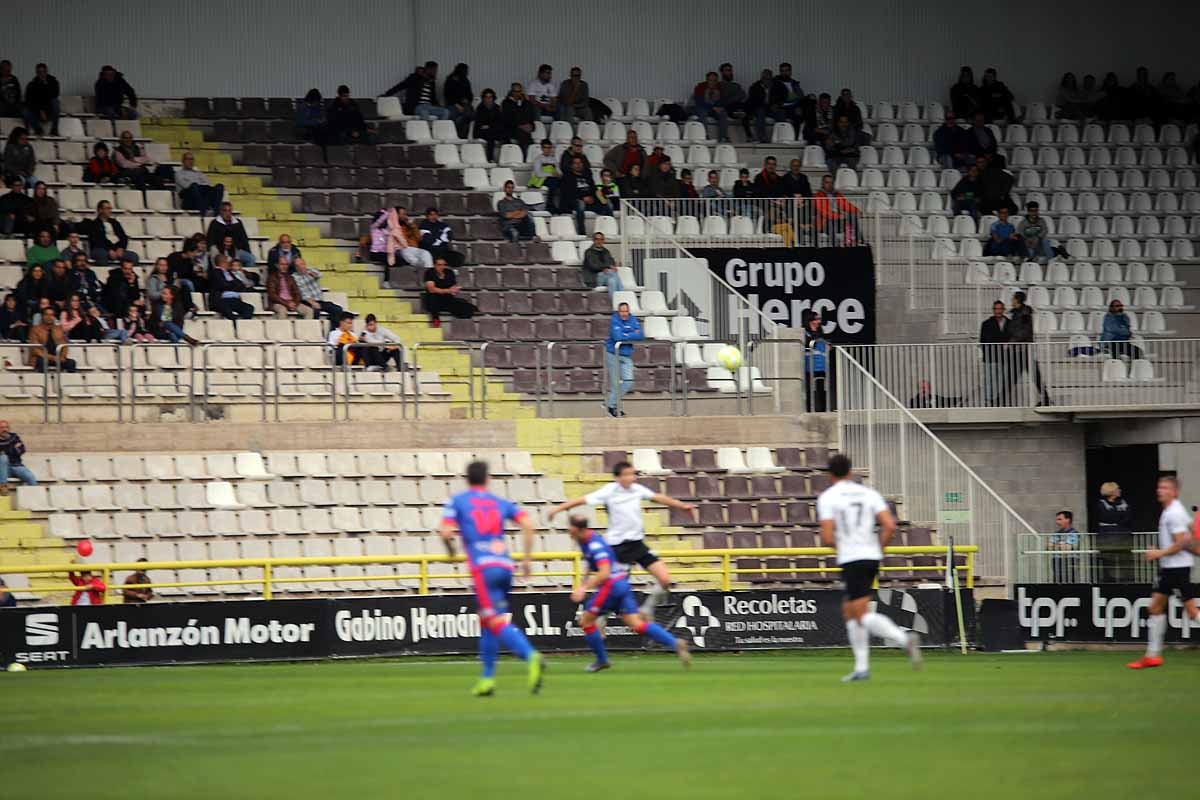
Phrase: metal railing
{"type": "Point", "coordinates": [933, 486]}
{"type": "Point", "coordinates": [1077, 373]}
{"type": "Point", "coordinates": [726, 565]}
{"type": "Point", "coordinates": [1088, 558]}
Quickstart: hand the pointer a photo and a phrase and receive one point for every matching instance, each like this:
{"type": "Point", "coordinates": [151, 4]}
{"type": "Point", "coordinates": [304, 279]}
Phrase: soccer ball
{"type": "Point", "coordinates": [729, 357]}
{"type": "Point", "coordinates": [15, 667]}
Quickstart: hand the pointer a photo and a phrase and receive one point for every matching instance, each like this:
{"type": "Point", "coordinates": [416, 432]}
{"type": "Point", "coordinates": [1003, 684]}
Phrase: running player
{"type": "Point", "coordinates": [611, 593]}
{"type": "Point", "coordinates": [479, 516]}
{"type": "Point", "coordinates": [848, 512]}
{"type": "Point", "coordinates": [1174, 559]}
{"type": "Point", "coordinates": [626, 531]}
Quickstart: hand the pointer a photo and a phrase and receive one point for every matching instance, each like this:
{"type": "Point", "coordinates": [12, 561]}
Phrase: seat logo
{"type": "Point", "coordinates": [41, 630]}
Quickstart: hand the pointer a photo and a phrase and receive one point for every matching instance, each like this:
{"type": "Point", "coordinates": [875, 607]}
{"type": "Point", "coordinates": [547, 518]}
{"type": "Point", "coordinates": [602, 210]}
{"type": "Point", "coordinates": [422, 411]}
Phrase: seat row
{"type": "Point", "coordinates": [1094, 298]}
{"type": "Point", "coordinates": [74, 127]}
{"type": "Point", "coordinates": [310, 155]}
{"type": "Point", "coordinates": [710, 461]}
{"type": "Point", "coordinates": [570, 353]}
{"type": "Point", "coordinates": [366, 178]}
{"type": "Point", "coordinates": [1149, 226]}
{"type": "Point", "coordinates": [1114, 202]}
{"type": "Point", "coordinates": [1150, 323]}
{"type": "Point", "coordinates": [494, 329]}
{"type": "Point", "coordinates": [1082, 274]}
{"type": "Point", "coordinates": [277, 131]}
{"type": "Point", "coordinates": [1100, 249]}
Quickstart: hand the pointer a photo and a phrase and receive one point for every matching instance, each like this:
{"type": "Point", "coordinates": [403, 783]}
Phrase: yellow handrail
{"type": "Point", "coordinates": [726, 568]}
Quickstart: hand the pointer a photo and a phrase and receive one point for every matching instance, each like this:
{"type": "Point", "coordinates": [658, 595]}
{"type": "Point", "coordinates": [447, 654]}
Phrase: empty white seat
{"type": "Point", "coordinates": [731, 460]}
{"type": "Point", "coordinates": [220, 494]}
{"type": "Point", "coordinates": [1113, 370]}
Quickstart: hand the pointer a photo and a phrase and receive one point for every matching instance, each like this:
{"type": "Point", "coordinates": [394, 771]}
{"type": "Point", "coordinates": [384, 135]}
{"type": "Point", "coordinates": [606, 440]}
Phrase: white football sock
{"type": "Point", "coordinates": [1157, 628]}
{"type": "Point", "coordinates": [659, 593]}
{"type": "Point", "coordinates": [884, 628]}
{"type": "Point", "coordinates": [860, 644]}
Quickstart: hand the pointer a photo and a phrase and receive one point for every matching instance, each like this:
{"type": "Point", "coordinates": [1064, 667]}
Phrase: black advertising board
{"type": "Point", "coordinates": [163, 633]}
{"type": "Point", "coordinates": [1105, 613]}
{"type": "Point", "coordinates": [783, 283]}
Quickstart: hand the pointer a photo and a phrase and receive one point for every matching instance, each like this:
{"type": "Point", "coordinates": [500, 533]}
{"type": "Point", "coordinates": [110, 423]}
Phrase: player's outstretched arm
{"type": "Point", "coordinates": [527, 531]}
{"type": "Point", "coordinates": [887, 527]}
{"type": "Point", "coordinates": [667, 500]}
{"type": "Point", "coordinates": [447, 532]}
{"type": "Point", "coordinates": [567, 506]}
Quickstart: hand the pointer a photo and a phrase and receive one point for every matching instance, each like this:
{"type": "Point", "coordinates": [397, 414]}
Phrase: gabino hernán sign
{"type": "Point", "coordinates": [783, 283]}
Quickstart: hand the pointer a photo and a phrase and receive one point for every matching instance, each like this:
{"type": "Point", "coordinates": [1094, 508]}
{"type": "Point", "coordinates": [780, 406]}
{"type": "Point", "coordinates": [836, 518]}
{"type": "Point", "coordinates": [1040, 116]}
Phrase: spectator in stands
{"type": "Point", "coordinates": [136, 168]}
{"type": "Point", "coordinates": [816, 361]}
{"type": "Point", "coordinates": [578, 193]}
{"type": "Point", "coordinates": [489, 123]}
{"type": "Point", "coordinates": [599, 267]}
{"type": "Point", "coordinates": [1116, 333]}
{"type": "Point", "coordinates": [607, 190]}
{"type": "Point", "coordinates": [545, 172]}
{"type": "Point", "coordinates": [85, 281]}
{"type": "Point", "coordinates": [46, 213]}
{"type": "Point", "coordinates": [964, 197]}
{"type": "Point", "coordinates": [1003, 239]}
{"type": "Point", "coordinates": [43, 250]}
{"type": "Point", "coordinates": [662, 183]}
{"type": "Point", "coordinates": [952, 145]}
{"type": "Point", "coordinates": [1112, 520]}
{"type": "Point", "coordinates": [712, 188]}
{"type": "Point", "coordinates": [7, 598]}
{"type": "Point", "coordinates": [436, 237]}
{"type": "Point", "coordinates": [122, 290]}
{"type": "Point", "coordinates": [14, 320]}
{"type": "Point", "coordinates": [844, 145]}
{"type": "Point", "coordinates": [543, 93]}
{"type": "Point", "coordinates": [687, 185]}
{"type": "Point", "coordinates": [633, 184]}
{"type": "Point", "coordinates": [767, 183]}
{"type": "Point", "coordinates": [344, 120]}
{"type": "Point", "coordinates": [1090, 95]}
{"type": "Point", "coordinates": [75, 247]}
{"type": "Point", "coordinates": [283, 251]}
{"type": "Point", "coordinates": [19, 159]}
{"type": "Point", "coordinates": [996, 183]}
{"type": "Point", "coordinates": [101, 168]}
{"type": "Point", "coordinates": [965, 97]}
{"type": "Point", "coordinates": [657, 154]}
{"type": "Point", "coordinates": [167, 317]}
{"type": "Point", "coordinates": [518, 117]}
{"type": "Point", "coordinates": [91, 589]}
{"type": "Point", "coordinates": [195, 191]}
{"type": "Point", "coordinates": [836, 216]}
{"type": "Point", "coordinates": [12, 450]}
{"type": "Point", "coordinates": [341, 341]}
{"type": "Point", "coordinates": [1021, 333]}
{"type": "Point", "coordinates": [112, 90]}
{"type": "Point", "coordinates": [227, 247]}
{"type": "Point", "coordinates": [460, 98]}
{"type": "Point", "coordinates": [1112, 101]}
{"type": "Point", "coordinates": [159, 277]}
{"type": "Point", "coordinates": [72, 316]}
{"type": "Point", "coordinates": [848, 108]}
{"type": "Point", "coordinates": [427, 104]}
{"type": "Point", "coordinates": [515, 221]}
{"type": "Point", "coordinates": [1143, 98]}
{"type": "Point", "coordinates": [1173, 99]}
{"type": "Point", "coordinates": [625, 155]}
{"type": "Point", "coordinates": [441, 294]}
{"type": "Point", "coordinates": [188, 265]}
{"type": "Point", "coordinates": [733, 96]}
{"type": "Point", "coordinates": [786, 96]}
{"type": "Point", "coordinates": [17, 212]}
{"type": "Point", "coordinates": [60, 283]}
{"type": "Point", "coordinates": [1065, 538]}
{"type": "Point", "coordinates": [925, 398]}
{"type": "Point", "coordinates": [226, 224]}
{"type": "Point", "coordinates": [10, 91]}
{"type": "Point", "coordinates": [623, 330]}
{"type": "Point", "coordinates": [818, 128]}
{"type": "Point", "coordinates": [411, 88]}
{"type": "Point", "coordinates": [759, 104]}
{"type": "Point", "coordinates": [574, 98]}
{"type": "Point", "coordinates": [135, 326]}
{"type": "Point", "coordinates": [310, 118]}
{"type": "Point", "coordinates": [107, 238]}
{"type": "Point", "coordinates": [377, 358]}
{"type": "Point", "coordinates": [980, 139]}
{"type": "Point", "coordinates": [308, 281]}
{"type": "Point", "coordinates": [226, 282]}
{"type": "Point", "coordinates": [1070, 98]}
{"type": "Point", "coordinates": [32, 288]}
{"type": "Point", "coordinates": [50, 344]}
{"type": "Point", "coordinates": [94, 327]}
{"type": "Point", "coordinates": [708, 100]}
{"type": "Point", "coordinates": [574, 151]}
{"type": "Point", "coordinates": [41, 101]}
{"type": "Point", "coordinates": [139, 577]}
{"type": "Point", "coordinates": [997, 99]}
{"type": "Point", "coordinates": [1034, 230]}
{"type": "Point", "coordinates": [404, 239]}
{"type": "Point", "coordinates": [283, 296]}
{"type": "Point", "coordinates": [993, 335]}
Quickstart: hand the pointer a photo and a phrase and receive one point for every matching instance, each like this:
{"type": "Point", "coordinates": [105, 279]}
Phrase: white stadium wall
{"type": "Point", "coordinates": [880, 48]}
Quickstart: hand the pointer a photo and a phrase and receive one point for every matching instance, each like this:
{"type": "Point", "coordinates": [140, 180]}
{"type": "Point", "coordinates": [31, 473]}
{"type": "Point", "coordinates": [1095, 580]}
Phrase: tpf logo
{"type": "Point", "coordinates": [697, 619]}
{"type": "Point", "coordinates": [41, 630]}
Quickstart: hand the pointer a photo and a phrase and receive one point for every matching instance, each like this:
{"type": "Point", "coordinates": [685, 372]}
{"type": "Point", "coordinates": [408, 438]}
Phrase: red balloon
{"type": "Point", "coordinates": [84, 548]}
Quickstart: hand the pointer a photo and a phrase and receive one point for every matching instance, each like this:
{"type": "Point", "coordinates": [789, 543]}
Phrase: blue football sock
{"type": "Point", "coordinates": [514, 639]}
{"type": "Point", "coordinates": [489, 652]}
{"type": "Point", "coordinates": [659, 634]}
{"type": "Point", "coordinates": [596, 642]}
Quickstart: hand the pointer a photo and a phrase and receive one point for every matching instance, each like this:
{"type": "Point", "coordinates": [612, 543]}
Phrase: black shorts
{"type": "Point", "coordinates": [635, 552]}
{"type": "Point", "coordinates": [859, 577]}
{"type": "Point", "coordinates": [1174, 581]}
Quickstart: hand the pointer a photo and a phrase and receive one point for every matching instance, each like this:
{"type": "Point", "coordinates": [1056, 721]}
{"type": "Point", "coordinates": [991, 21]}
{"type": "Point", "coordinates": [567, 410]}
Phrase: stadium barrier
{"type": "Point", "coordinates": [1107, 613]}
{"type": "Point", "coordinates": [1091, 559]}
{"type": "Point", "coordinates": [216, 631]}
{"type": "Point", "coordinates": [731, 565]}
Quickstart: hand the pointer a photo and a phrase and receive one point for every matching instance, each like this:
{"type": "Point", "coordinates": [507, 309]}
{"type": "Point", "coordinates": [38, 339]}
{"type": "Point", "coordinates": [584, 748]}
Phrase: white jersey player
{"type": "Point", "coordinates": [848, 513]}
{"type": "Point", "coordinates": [626, 531]}
{"type": "Point", "coordinates": [1175, 559]}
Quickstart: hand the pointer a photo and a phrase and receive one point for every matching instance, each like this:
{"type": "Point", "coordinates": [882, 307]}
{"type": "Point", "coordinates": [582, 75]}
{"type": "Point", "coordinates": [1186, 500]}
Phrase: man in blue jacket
{"type": "Point", "coordinates": [618, 359]}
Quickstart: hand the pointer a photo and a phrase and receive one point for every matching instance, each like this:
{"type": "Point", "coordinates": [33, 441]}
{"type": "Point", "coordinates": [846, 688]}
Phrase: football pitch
{"type": "Point", "coordinates": [1047, 725]}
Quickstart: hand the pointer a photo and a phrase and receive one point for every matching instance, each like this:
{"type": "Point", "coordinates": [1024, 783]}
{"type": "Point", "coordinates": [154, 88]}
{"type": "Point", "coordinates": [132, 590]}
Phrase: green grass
{"type": "Point", "coordinates": [769, 726]}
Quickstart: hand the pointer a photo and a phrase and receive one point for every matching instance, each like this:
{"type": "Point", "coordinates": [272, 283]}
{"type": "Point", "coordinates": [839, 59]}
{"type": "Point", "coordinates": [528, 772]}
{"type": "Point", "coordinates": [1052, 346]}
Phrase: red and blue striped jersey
{"type": "Point", "coordinates": [597, 552]}
{"type": "Point", "coordinates": [480, 516]}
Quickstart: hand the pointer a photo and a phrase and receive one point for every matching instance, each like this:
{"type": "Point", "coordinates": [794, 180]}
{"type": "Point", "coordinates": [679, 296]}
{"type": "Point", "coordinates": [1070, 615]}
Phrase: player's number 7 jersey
{"type": "Point", "coordinates": [853, 509]}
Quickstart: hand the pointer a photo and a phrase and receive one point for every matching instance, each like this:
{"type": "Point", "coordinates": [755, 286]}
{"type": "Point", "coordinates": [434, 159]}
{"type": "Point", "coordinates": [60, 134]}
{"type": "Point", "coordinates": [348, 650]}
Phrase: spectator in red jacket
{"type": "Point", "coordinates": [836, 216]}
{"type": "Point", "coordinates": [91, 589]}
{"type": "Point", "coordinates": [101, 168]}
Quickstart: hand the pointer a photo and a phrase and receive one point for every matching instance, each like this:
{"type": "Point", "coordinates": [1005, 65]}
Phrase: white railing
{"type": "Point", "coordinates": [1075, 373]}
{"type": "Point", "coordinates": [933, 487]}
{"type": "Point", "coordinates": [1086, 558]}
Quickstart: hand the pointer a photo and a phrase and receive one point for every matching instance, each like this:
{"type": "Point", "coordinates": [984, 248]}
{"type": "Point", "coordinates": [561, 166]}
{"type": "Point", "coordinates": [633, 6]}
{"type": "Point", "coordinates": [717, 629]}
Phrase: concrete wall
{"type": "Point", "coordinates": [1038, 468]}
